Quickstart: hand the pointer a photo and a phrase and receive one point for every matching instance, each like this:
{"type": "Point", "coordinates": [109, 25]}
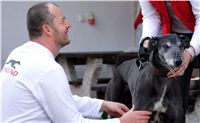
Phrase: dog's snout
{"type": "Point", "coordinates": [178, 62]}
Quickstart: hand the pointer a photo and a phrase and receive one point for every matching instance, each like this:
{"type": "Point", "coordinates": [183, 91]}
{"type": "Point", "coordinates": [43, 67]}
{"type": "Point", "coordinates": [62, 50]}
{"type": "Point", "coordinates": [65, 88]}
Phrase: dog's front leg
{"type": "Point", "coordinates": [144, 94]}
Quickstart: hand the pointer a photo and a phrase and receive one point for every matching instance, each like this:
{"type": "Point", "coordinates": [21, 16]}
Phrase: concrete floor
{"type": "Point", "coordinates": [194, 117]}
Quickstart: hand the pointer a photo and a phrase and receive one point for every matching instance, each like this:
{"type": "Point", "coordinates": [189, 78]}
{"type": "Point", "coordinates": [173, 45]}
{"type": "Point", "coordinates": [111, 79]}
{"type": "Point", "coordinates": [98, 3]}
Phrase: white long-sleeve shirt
{"type": "Point", "coordinates": [152, 22]}
{"type": "Point", "coordinates": [35, 89]}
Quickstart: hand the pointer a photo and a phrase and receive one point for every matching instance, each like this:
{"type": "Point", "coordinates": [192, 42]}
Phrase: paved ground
{"type": "Point", "coordinates": [194, 117]}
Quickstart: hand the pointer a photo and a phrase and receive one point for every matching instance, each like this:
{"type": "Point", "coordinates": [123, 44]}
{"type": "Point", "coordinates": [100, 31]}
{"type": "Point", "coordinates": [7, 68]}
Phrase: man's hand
{"type": "Point", "coordinates": [135, 117]}
{"type": "Point", "coordinates": [113, 108]}
{"type": "Point", "coordinates": [181, 69]}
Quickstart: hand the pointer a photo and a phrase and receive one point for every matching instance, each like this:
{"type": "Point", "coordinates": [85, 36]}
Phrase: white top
{"type": "Point", "coordinates": [35, 89]}
{"type": "Point", "coordinates": [152, 23]}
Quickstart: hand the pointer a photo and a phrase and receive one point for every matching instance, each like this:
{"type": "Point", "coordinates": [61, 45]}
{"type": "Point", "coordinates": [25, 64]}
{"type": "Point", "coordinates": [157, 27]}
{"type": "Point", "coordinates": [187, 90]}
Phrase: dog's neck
{"type": "Point", "coordinates": [158, 72]}
{"type": "Point", "coordinates": [157, 67]}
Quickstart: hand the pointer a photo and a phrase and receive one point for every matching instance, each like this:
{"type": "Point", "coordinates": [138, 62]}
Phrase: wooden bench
{"type": "Point", "coordinates": [93, 61]}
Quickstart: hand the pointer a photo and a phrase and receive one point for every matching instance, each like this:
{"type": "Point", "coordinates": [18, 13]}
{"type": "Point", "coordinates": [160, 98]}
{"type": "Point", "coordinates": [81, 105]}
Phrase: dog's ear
{"type": "Point", "coordinates": [185, 41]}
{"type": "Point", "coordinates": [153, 43]}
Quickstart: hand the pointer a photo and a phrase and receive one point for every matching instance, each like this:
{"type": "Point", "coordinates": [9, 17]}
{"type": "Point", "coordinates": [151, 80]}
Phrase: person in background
{"type": "Point", "coordinates": [180, 17]}
{"type": "Point", "coordinates": [35, 87]}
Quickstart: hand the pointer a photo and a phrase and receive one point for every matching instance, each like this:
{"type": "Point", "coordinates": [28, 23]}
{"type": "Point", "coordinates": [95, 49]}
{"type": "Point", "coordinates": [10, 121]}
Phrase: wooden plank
{"type": "Point", "coordinates": [80, 58]}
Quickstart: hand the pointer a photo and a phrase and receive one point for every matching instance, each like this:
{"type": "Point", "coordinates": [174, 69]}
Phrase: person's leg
{"type": "Point", "coordinates": [185, 84]}
{"type": "Point", "coordinates": [185, 81]}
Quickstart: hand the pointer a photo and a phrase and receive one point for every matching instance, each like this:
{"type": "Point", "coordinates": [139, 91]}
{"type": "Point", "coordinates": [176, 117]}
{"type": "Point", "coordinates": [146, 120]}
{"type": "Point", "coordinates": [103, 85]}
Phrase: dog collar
{"type": "Point", "coordinates": [159, 72]}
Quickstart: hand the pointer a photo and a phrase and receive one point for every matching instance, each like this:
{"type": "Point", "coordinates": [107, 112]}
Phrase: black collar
{"type": "Point", "coordinates": [159, 72]}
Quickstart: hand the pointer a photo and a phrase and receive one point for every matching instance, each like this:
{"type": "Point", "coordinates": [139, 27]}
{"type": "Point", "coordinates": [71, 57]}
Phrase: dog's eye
{"type": "Point", "coordinates": [167, 45]}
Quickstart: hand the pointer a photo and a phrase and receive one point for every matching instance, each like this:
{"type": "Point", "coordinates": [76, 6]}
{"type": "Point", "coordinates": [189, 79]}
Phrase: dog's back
{"type": "Point", "coordinates": [118, 89]}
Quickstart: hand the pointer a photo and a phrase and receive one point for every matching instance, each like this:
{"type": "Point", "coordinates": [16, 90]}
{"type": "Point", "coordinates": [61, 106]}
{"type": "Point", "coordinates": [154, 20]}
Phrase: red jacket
{"type": "Point", "coordinates": [182, 9]}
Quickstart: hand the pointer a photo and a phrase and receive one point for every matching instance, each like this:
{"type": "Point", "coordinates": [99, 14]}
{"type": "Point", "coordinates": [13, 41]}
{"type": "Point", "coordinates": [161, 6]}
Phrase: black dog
{"type": "Point", "coordinates": [146, 86]}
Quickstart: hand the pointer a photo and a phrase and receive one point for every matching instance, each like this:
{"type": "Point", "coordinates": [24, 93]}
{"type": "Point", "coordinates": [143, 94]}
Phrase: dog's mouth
{"type": "Point", "coordinates": [161, 63]}
{"type": "Point", "coordinates": [171, 59]}
{"type": "Point", "coordinates": [173, 63]}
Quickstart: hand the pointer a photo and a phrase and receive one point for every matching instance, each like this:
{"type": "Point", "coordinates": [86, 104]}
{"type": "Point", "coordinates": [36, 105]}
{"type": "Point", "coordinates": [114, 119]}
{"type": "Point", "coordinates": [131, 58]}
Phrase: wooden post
{"type": "Point", "coordinates": [69, 68]}
{"type": "Point", "coordinates": [91, 75]}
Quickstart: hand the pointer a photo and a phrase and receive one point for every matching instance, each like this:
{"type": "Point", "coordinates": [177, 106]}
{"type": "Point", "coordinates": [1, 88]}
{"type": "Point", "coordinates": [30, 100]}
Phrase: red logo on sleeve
{"type": "Point", "coordinates": [11, 70]}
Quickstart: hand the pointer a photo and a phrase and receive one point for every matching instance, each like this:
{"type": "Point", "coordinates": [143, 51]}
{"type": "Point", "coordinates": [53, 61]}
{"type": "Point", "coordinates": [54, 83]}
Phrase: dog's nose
{"type": "Point", "coordinates": [178, 62]}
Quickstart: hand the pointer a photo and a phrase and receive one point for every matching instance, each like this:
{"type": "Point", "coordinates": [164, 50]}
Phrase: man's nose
{"type": "Point", "coordinates": [67, 23]}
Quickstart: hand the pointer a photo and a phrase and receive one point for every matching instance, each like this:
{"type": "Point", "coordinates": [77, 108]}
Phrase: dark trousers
{"type": "Point", "coordinates": [185, 81]}
{"type": "Point", "coordinates": [185, 84]}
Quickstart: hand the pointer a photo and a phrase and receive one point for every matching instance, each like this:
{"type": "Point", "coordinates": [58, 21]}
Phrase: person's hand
{"type": "Point", "coordinates": [135, 117]}
{"type": "Point", "coordinates": [146, 43]}
{"type": "Point", "coordinates": [113, 108]}
{"type": "Point", "coordinates": [181, 69]}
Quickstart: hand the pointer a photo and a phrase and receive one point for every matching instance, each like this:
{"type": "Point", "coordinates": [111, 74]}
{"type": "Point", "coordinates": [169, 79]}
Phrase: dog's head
{"type": "Point", "coordinates": [166, 51]}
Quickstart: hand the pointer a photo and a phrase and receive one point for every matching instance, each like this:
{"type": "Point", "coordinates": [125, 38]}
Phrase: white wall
{"type": "Point", "coordinates": [113, 30]}
{"type": "Point", "coordinates": [0, 37]}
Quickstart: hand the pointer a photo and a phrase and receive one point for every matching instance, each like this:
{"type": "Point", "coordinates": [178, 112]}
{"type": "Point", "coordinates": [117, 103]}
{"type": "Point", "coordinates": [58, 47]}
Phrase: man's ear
{"type": "Point", "coordinates": [186, 41]}
{"type": "Point", "coordinates": [47, 30]}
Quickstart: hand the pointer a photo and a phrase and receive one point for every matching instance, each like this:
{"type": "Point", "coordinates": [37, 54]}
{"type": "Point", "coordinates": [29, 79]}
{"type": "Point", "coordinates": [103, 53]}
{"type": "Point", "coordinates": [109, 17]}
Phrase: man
{"type": "Point", "coordinates": [180, 17]}
{"type": "Point", "coordinates": [35, 87]}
